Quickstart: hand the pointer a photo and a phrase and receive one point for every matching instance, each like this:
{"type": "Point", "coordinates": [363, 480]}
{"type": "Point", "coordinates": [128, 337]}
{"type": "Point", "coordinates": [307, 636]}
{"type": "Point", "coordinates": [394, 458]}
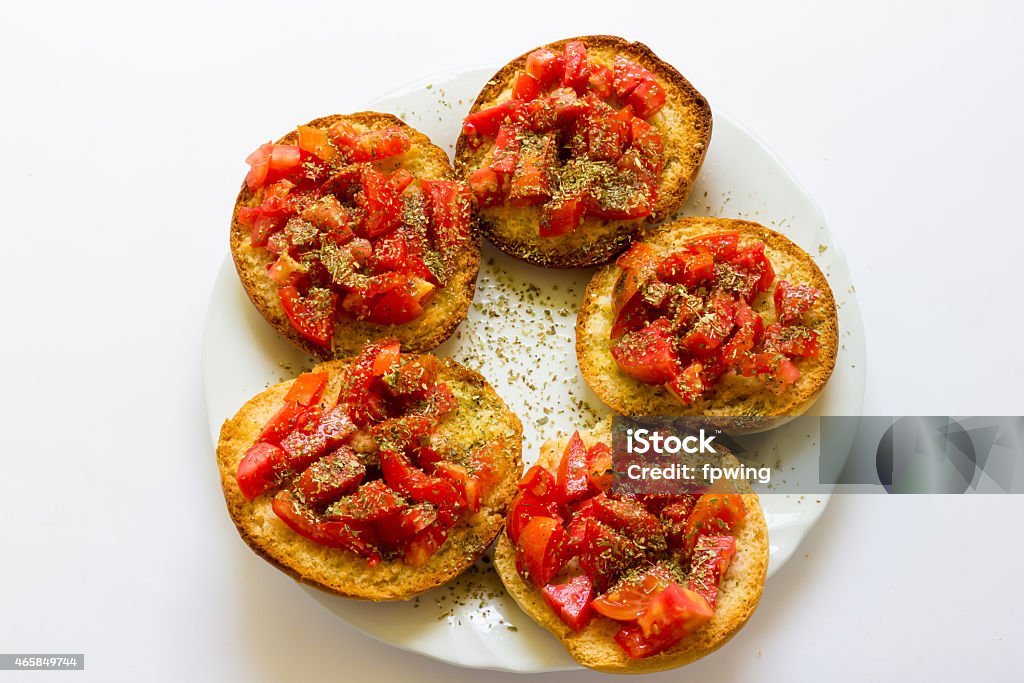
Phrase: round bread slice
{"type": "Point", "coordinates": [685, 127]}
{"type": "Point", "coordinates": [594, 647]}
{"type": "Point", "coordinates": [733, 395]}
{"type": "Point", "coordinates": [481, 417]}
{"type": "Point", "coordinates": [442, 313]}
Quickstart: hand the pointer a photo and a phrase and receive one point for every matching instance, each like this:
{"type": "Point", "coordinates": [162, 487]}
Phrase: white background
{"type": "Point", "coordinates": [126, 126]}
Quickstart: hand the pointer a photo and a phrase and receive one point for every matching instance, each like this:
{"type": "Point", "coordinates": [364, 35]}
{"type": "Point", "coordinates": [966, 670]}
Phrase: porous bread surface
{"type": "Point", "coordinates": [732, 395]}
{"type": "Point", "coordinates": [481, 417]}
{"type": "Point", "coordinates": [685, 127]}
{"type": "Point", "coordinates": [442, 313]}
{"type": "Point", "coordinates": [594, 647]}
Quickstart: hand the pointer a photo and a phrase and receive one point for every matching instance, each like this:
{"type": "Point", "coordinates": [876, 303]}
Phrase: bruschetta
{"type": "Point", "coordinates": [629, 584]}
{"type": "Point", "coordinates": [351, 229]}
{"type": "Point", "coordinates": [709, 317]}
{"type": "Point", "coordinates": [572, 148]}
{"type": "Point", "coordinates": [376, 477]}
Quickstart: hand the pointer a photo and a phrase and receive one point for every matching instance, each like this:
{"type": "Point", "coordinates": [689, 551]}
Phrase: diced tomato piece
{"type": "Point", "coordinates": [627, 75]}
{"type": "Point", "coordinates": [605, 553]}
{"type": "Point", "coordinates": [414, 377]}
{"type": "Point", "coordinates": [281, 423]}
{"type": "Point", "coordinates": [329, 215]}
{"type": "Point", "coordinates": [403, 524]}
{"type": "Point", "coordinates": [353, 536]}
{"type": "Point", "coordinates": [628, 307]}
{"type": "Point", "coordinates": [631, 519]}
{"type": "Point", "coordinates": [285, 270]}
{"type": "Point", "coordinates": [599, 467]}
{"type": "Point", "coordinates": [390, 253]}
{"type": "Point", "coordinates": [750, 328]}
{"type": "Point", "coordinates": [316, 142]}
{"type": "Point", "coordinates": [486, 185]}
{"type": "Point", "coordinates": [375, 360]}
{"type": "Point", "coordinates": [600, 80]}
{"type": "Point", "coordinates": [647, 98]}
{"type": "Point", "coordinates": [752, 259]}
{"type": "Point", "coordinates": [335, 426]}
{"type": "Point", "coordinates": [542, 550]}
{"type": "Point", "coordinates": [382, 202]}
{"type": "Point", "coordinates": [525, 88]}
{"type": "Point", "coordinates": [312, 315]}
{"type": "Point", "coordinates": [264, 227]}
{"type": "Point", "coordinates": [793, 301]}
{"type": "Point", "coordinates": [260, 469]}
{"type": "Point", "coordinates": [630, 598]}
{"type": "Point", "coordinates": [714, 514]}
{"type": "Point", "coordinates": [647, 354]}
{"type": "Point", "coordinates": [259, 164]}
{"type": "Point", "coordinates": [451, 208]}
{"type": "Point", "coordinates": [792, 340]}
{"type": "Point", "coordinates": [505, 155]}
{"type": "Point", "coordinates": [606, 136]}
{"type": "Point", "coordinates": [486, 122]}
{"type": "Point", "coordinates": [638, 256]}
{"type": "Point", "coordinates": [524, 507]}
{"type": "Point", "coordinates": [371, 502]}
{"type": "Point", "coordinates": [713, 327]}
{"type": "Point", "coordinates": [344, 135]}
{"type": "Point", "coordinates": [571, 601]}
{"type": "Point", "coordinates": [577, 70]}
{"type": "Point", "coordinates": [307, 388]}
{"type": "Point", "coordinates": [539, 482]}
{"type": "Point", "coordinates": [469, 485]}
{"type": "Point", "coordinates": [330, 477]}
{"type": "Point", "coordinates": [723, 245]}
{"type": "Point", "coordinates": [689, 269]}
{"type": "Point", "coordinates": [687, 385]}
{"type": "Point", "coordinates": [676, 610]}
{"type": "Point", "coordinates": [545, 66]}
{"type": "Point", "coordinates": [711, 559]}
{"type": "Point", "coordinates": [401, 475]}
{"type": "Point", "coordinates": [530, 183]}
{"type": "Point", "coordinates": [561, 216]}
{"type": "Point", "coordinates": [284, 161]}
{"type": "Point", "coordinates": [437, 400]}
{"type": "Point", "coordinates": [422, 547]}
{"type": "Point", "coordinates": [573, 475]}
{"type": "Point", "coordinates": [306, 442]}
{"type": "Point", "coordinates": [374, 145]}
{"type": "Point", "coordinates": [561, 107]}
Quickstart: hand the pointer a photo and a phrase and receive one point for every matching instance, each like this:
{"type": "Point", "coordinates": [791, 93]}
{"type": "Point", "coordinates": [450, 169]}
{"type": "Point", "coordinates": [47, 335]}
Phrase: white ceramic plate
{"type": "Point", "coordinates": [528, 354]}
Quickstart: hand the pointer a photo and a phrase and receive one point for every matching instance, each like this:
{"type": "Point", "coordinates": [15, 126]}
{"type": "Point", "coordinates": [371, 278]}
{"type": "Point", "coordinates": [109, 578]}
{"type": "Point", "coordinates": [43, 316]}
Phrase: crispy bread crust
{"type": "Point", "coordinates": [481, 417]}
{"type": "Point", "coordinates": [594, 646]}
{"type": "Point", "coordinates": [685, 127]}
{"type": "Point", "coordinates": [732, 396]}
{"type": "Point", "coordinates": [442, 314]}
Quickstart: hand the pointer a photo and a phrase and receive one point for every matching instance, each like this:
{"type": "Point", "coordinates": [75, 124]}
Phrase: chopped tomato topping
{"type": "Point", "coordinates": [647, 354]}
{"type": "Point", "coordinates": [571, 600]}
{"type": "Point", "coordinates": [565, 142]}
{"type": "Point", "coordinates": [542, 550]}
{"type": "Point", "coordinates": [573, 475]}
{"type": "Point", "coordinates": [312, 315]}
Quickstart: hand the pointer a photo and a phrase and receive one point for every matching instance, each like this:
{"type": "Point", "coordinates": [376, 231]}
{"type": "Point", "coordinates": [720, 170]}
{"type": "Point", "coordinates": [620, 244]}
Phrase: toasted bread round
{"type": "Point", "coordinates": [442, 313]}
{"type": "Point", "coordinates": [733, 395]}
{"type": "Point", "coordinates": [685, 127]}
{"type": "Point", "coordinates": [481, 417]}
{"type": "Point", "coordinates": [594, 647]}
